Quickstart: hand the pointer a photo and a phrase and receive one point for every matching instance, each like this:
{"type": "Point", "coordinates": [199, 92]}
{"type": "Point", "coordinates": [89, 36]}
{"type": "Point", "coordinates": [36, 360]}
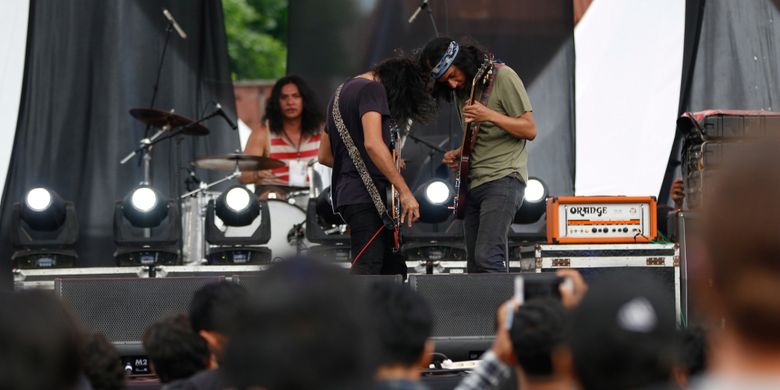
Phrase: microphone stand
{"type": "Point", "coordinates": [433, 21]}
{"type": "Point", "coordinates": [431, 149]}
{"type": "Point", "coordinates": [156, 87]}
{"type": "Point", "coordinates": [425, 5]}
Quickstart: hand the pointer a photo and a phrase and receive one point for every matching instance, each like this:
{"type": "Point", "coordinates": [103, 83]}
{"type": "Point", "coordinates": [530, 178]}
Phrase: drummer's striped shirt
{"type": "Point", "coordinates": [283, 149]}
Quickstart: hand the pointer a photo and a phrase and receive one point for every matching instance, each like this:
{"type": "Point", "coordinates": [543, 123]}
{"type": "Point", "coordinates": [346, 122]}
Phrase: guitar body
{"type": "Point", "coordinates": [469, 139]}
{"type": "Point", "coordinates": [395, 214]}
{"type": "Point", "coordinates": [462, 180]}
{"type": "Point", "coordinates": [393, 197]}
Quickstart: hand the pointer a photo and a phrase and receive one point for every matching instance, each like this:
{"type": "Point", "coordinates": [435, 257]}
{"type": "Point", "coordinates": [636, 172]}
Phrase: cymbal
{"type": "Point", "coordinates": [159, 118]}
{"type": "Point", "coordinates": [228, 162]}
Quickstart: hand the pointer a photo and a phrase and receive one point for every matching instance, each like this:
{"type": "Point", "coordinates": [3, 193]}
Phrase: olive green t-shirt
{"type": "Point", "coordinates": [497, 153]}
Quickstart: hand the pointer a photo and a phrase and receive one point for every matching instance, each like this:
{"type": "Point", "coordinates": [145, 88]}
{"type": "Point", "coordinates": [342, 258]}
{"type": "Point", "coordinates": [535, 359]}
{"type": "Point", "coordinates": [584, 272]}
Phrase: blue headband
{"type": "Point", "coordinates": [446, 60]}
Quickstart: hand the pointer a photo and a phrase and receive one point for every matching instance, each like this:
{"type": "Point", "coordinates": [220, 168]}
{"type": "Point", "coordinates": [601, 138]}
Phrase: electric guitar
{"type": "Point", "coordinates": [480, 80]}
{"type": "Point", "coordinates": [393, 197]}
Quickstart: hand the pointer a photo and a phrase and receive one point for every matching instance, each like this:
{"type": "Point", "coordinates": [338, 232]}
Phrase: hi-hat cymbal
{"type": "Point", "coordinates": [228, 162]}
{"type": "Point", "coordinates": [159, 118]}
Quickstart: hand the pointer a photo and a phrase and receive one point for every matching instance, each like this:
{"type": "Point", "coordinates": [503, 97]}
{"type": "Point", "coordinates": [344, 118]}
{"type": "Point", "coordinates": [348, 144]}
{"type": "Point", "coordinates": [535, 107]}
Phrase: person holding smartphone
{"type": "Point", "coordinates": [550, 356]}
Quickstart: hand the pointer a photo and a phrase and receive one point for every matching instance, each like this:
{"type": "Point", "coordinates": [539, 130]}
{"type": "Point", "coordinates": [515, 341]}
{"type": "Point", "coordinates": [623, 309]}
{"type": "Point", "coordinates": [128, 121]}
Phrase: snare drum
{"type": "Point", "coordinates": [193, 217]}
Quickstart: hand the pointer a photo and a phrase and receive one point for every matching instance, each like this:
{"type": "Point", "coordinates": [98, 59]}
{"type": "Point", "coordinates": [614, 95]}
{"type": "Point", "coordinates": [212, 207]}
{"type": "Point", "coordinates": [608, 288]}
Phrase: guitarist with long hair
{"type": "Point", "coordinates": [360, 116]}
{"type": "Point", "coordinates": [494, 161]}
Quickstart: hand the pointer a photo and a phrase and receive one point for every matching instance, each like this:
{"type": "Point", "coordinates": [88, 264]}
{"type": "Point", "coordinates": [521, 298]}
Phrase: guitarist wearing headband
{"type": "Point", "coordinates": [358, 126]}
{"type": "Point", "coordinates": [497, 166]}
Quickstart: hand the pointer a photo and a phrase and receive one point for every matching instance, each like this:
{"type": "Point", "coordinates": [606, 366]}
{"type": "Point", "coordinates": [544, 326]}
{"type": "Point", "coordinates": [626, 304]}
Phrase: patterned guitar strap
{"type": "Point", "coordinates": [357, 160]}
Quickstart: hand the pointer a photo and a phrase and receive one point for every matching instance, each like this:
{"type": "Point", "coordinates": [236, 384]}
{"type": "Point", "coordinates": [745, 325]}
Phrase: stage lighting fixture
{"type": "Point", "coordinates": [147, 229]}
{"type": "Point", "coordinates": [45, 231]}
{"type": "Point", "coordinates": [435, 197]}
{"type": "Point", "coordinates": [324, 210]}
{"type": "Point", "coordinates": [533, 203]}
{"type": "Point", "coordinates": [143, 207]}
{"type": "Point", "coordinates": [237, 206]}
{"type": "Point", "coordinates": [237, 225]}
{"type": "Point", "coordinates": [327, 229]}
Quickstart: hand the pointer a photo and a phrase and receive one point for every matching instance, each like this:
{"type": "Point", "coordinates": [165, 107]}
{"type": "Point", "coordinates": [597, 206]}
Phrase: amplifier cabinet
{"type": "Point", "coordinates": [601, 219]}
{"type": "Point", "coordinates": [729, 124]}
{"type": "Point", "coordinates": [659, 261]}
{"type": "Point", "coordinates": [713, 138]}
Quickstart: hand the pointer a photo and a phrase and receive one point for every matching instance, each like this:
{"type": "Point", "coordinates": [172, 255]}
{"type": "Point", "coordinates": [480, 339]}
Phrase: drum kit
{"type": "Point", "coordinates": [286, 204]}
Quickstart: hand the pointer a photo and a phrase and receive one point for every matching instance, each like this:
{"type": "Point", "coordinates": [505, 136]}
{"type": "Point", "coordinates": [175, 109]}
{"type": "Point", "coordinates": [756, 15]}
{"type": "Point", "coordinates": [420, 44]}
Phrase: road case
{"type": "Point", "coordinates": [661, 261]}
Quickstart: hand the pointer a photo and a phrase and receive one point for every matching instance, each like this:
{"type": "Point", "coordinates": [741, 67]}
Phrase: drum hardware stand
{"type": "Point", "coordinates": [314, 190]}
{"type": "Point", "coordinates": [429, 266]}
{"type": "Point", "coordinates": [205, 186]}
{"type": "Point", "coordinates": [296, 235]}
{"type": "Point", "coordinates": [163, 133]}
{"type": "Point", "coordinates": [146, 145]}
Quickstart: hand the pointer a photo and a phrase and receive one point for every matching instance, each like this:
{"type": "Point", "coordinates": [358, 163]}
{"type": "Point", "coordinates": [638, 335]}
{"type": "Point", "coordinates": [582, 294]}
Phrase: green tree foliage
{"type": "Point", "coordinates": [257, 38]}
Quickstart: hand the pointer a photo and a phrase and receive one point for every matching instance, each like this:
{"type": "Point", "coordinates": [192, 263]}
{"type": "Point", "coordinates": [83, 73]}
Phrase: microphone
{"type": "Point", "coordinates": [224, 116]}
{"type": "Point", "coordinates": [417, 12]}
{"type": "Point", "coordinates": [175, 25]}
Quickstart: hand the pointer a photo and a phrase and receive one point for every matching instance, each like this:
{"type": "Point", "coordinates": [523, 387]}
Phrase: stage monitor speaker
{"type": "Point", "coordinates": [362, 281]}
{"type": "Point", "coordinates": [122, 308]}
{"type": "Point", "coordinates": [365, 281]}
{"type": "Point", "coordinates": [464, 308]}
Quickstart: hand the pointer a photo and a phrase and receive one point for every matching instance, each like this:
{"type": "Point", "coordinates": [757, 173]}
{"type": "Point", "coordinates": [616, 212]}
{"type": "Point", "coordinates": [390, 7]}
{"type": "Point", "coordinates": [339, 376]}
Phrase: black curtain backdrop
{"type": "Point", "coordinates": [331, 41]}
{"type": "Point", "coordinates": [730, 61]}
{"type": "Point", "coordinates": [737, 57]}
{"type": "Point", "coordinates": [90, 61]}
{"type": "Point", "coordinates": [694, 13]}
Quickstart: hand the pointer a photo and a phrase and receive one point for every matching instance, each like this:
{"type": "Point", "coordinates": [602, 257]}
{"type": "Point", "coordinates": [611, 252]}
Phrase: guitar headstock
{"type": "Point", "coordinates": [483, 74]}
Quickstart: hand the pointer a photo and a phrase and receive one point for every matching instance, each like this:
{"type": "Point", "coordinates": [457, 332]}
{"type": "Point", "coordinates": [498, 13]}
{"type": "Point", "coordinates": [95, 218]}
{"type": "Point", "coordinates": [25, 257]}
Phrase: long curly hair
{"type": "Point", "coordinates": [468, 60]}
{"type": "Point", "coordinates": [311, 117]}
{"type": "Point", "coordinates": [406, 85]}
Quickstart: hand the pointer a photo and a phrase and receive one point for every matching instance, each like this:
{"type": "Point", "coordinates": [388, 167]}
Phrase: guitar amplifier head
{"type": "Point", "coordinates": [601, 219]}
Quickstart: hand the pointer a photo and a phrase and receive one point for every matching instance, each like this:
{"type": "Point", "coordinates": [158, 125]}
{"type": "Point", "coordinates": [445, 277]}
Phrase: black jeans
{"type": "Point", "coordinates": [378, 258]}
{"type": "Point", "coordinates": [490, 209]}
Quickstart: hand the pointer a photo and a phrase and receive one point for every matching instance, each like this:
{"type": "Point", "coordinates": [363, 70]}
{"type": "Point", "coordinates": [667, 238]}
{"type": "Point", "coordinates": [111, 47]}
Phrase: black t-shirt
{"type": "Point", "coordinates": [358, 96]}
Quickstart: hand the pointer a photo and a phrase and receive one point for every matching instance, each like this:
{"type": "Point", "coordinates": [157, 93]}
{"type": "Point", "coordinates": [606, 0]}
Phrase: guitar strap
{"type": "Point", "coordinates": [360, 165]}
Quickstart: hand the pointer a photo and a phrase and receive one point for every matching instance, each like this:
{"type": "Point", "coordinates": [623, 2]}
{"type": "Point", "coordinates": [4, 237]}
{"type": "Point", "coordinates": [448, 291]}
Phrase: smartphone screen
{"type": "Point", "coordinates": [533, 285]}
{"type": "Point", "coordinates": [539, 285]}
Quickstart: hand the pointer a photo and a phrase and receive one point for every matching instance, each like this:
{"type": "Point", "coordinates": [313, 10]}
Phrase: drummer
{"type": "Point", "coordinates": [290, 132]}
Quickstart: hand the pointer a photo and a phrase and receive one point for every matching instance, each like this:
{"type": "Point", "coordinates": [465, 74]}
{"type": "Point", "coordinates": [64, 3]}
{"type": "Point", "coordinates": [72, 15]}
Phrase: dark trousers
{"type": "Point", "coordinates": [490, 209]}
{"type": "Point", "coordinates": [378, 258]}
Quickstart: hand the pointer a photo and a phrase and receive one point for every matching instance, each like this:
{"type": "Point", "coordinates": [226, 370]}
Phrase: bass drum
{"type": "Point", "coordinates": [286, 237]}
